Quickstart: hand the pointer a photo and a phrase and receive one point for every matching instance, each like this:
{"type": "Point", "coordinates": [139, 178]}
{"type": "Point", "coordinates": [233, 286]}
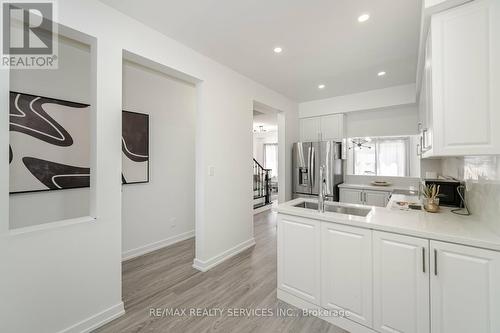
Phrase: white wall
{"type": "Point", "coordinates": [68, 277]}
{"type": "Point", "coordinates": [383, 122]}
{"type": "Point", "coordinates": [168, 211]}
{"type": "Point", "coordinates": [369, 100]}
{"type": "Point", "coordinates": [71, 82]}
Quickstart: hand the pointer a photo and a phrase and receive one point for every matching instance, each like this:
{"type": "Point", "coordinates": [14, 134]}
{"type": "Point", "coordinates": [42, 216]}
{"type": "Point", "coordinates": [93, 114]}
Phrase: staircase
{"type": "Point", "coordinates": [261, 185]}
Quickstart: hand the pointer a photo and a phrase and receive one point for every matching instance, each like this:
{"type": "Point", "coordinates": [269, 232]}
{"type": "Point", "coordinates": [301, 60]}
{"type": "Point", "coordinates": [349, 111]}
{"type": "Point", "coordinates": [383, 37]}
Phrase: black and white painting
{"type": "Point", "coordinates": [135, 147]}
{"type": "Point", "coordinates": [49, 144]}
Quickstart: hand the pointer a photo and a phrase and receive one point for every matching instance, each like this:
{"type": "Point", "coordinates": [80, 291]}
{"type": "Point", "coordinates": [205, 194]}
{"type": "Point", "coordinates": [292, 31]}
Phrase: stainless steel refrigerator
{"type": "Point", "coordinates": [307, 159]}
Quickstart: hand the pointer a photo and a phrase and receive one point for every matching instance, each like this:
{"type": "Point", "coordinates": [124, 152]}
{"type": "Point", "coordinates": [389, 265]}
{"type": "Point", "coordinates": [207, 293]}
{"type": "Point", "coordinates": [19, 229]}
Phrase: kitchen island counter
{"type": "Point", "coordinates": [443, 226]}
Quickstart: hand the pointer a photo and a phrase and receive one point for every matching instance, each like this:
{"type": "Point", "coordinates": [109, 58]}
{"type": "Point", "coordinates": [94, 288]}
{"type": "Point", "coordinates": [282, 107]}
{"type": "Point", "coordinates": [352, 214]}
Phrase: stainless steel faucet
{"type": "Point", "coordinates": [322, 189]}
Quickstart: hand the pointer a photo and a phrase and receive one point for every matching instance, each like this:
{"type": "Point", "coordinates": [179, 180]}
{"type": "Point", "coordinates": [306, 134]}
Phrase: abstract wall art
{"type": "Point", "coordinates": [49, 144]}
{"type": "Point", "coordinates": [135, 147]}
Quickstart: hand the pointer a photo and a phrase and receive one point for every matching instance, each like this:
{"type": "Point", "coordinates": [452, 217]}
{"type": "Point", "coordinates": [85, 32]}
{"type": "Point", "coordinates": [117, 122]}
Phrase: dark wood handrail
{"type": "Point", "coordinates": [255, 161]}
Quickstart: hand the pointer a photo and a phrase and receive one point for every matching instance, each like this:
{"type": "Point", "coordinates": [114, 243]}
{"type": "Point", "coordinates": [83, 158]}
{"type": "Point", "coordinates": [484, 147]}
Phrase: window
{"type": "Point", "coordinates": [382, 157]}
{"type": "Point", "coordinates": [271, 158]}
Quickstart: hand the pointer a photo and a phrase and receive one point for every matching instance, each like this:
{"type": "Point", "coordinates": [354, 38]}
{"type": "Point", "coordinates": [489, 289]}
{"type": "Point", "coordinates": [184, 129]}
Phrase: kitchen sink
{"type": "Point", "coordinates": [348, 210]}
{"type": "Point", "coordinates": [362, 212]}
{"type": "Point", "coordinates": [307, 205]}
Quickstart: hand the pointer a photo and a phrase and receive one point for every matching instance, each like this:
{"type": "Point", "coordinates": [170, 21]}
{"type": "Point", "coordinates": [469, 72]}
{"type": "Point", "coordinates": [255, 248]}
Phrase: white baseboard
{"type": "Point", "coordinates": [262, 209]}
{"type": "Point", "coordinates": [214, 261]}
{"type": "Point", "coordinates": [97, 320]}
{"type": "Point", "coordinates": [341, 322]}
{"type": "Point", "coordinates": [139, 251]}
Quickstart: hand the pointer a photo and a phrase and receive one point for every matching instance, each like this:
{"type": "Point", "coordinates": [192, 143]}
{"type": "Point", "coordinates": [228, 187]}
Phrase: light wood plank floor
{"type": "Point", "coordinates": [165, 279]}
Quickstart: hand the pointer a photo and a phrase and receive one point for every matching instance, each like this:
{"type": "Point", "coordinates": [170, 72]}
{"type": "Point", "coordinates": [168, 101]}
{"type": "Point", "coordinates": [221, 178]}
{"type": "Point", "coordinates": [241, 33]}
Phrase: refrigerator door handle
{"type": "Point", "coordinates": [309, 166]}
{"type": "Point", "coordinates": [313, 166]}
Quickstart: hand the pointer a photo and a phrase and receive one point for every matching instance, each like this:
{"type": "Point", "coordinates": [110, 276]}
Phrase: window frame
{"type": "Point", "coordinates": [376, 146]}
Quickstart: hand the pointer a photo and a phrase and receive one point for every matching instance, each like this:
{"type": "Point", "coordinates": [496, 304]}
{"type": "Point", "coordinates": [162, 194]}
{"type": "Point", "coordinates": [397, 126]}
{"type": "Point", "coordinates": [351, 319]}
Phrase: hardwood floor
{"type": "Point", "coordinates": [165, 279]}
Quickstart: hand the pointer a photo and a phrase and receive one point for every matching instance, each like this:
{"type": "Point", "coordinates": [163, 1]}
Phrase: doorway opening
{"type": "Point", "coordinates": [158, 156]}
{"type": "Point", "coordinates": [265, 157]}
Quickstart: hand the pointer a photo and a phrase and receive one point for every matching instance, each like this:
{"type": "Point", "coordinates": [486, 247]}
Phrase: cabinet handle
{"type": "Point", "coordinates": [435, 262]}
{"type": "Point", "coordinates": [423, 259]}
{"type": "Point", "coordinates": [419, 127]}
{"type": "Point", "coordinates": [361, 197]}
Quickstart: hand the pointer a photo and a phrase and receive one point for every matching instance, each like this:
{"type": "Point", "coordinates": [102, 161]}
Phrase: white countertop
{"type": "Point", "coordinates": [444, 226]}
{"type": "Point", "coordinates": [389, 188]}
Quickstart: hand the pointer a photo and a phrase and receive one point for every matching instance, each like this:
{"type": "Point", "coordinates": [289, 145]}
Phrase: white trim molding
{"type": "Point", "coordinates": [262, 209]}
{"type": "Point", "coordinates": [139, 251]}
{"type": "Point", "coordinates": [214, 261]}
{"type": "Point", "coordinates": [99, 319]}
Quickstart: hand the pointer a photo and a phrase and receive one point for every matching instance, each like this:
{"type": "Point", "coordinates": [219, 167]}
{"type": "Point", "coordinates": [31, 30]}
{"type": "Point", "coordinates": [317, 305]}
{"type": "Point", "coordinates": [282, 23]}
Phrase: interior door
{"type": "Point", "coordinates": [465, 289]}
{"type": "Point", "coordinates": [346, 271]}
{"type": "Point", "coordinates": [400, 283]}
{"type": "Point", "coordinates": [302, 182]}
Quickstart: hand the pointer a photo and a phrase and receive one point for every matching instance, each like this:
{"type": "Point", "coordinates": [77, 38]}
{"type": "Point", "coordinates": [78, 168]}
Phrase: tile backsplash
{"type": "Point", "coordinates": [482, 177]}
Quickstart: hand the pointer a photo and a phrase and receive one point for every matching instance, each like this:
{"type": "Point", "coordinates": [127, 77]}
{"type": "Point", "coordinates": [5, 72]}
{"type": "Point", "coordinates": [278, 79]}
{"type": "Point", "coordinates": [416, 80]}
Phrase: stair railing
{"type": "Point", "coordinates": [261, 182]}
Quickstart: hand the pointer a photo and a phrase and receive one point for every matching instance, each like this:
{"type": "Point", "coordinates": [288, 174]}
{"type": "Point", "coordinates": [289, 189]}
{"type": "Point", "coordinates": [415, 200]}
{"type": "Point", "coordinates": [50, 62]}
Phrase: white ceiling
{"type": "Point", "coordinates": [269, 121]}
{"type": "Point", "coordinates": [322, 40]}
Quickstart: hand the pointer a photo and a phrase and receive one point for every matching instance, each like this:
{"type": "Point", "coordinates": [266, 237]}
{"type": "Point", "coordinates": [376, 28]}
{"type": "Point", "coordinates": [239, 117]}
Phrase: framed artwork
{"type": "Point", "coordinates": [49, 144]}
{"type": "Point", "coordinates": [135, 147]}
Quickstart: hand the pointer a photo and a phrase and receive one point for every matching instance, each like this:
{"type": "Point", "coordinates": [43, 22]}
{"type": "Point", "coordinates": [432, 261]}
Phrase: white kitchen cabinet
{"type": "Point", "coordinates": [332, 127]}
{"type": "Point", "coordinates": [400, 283]}
{"type": "Point", "coordinates": [364, 197]}
{"type": "Point", "coordinates": [346, 271]}
{"type": "Point", "coordinates": [352, 196]}
{"type": "Point", "coordinates": [310, 129]}
{"type": "Point", "coordinates": [427, 127]}
{"type": "Point", "coordinates": [325, 128]}
{"type": "Point", "coordinates": [465, 289]}
{"type": "Point", "coordinates": [463, 81]}
{"type": "Point", "coordinates": [299, 257]}
{"type": "Point", "coordinates": [376, 198]}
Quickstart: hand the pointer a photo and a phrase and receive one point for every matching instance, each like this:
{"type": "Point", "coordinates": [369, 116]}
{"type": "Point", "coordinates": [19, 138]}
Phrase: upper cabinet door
{"type": "Point", "coordinates": [465, 285]}
{"type": "Point", "coordinates": [346, 271]}
{"type": "Point", "coordinates": [299, 257]}
{"type": "Point", "coordinates": [310, 129]}
{"type": "Point", "coordinates": [466, 79]}
{"type": "Point", "coordinates": [400, 283]}
{"type": "Point", "coordinates": [332, 127]}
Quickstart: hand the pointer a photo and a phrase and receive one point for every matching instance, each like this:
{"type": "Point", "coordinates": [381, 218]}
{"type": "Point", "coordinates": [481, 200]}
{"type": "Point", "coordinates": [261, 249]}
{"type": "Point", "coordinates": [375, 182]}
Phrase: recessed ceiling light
{"type": "Point", "coordinates": [381, 73]}
{"type": "Point", "coordinates": [321, 86]}
{"type": "Point", "coordinates": [278, 49]}
{"type": "Point", "coordinates": [364, 17]}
